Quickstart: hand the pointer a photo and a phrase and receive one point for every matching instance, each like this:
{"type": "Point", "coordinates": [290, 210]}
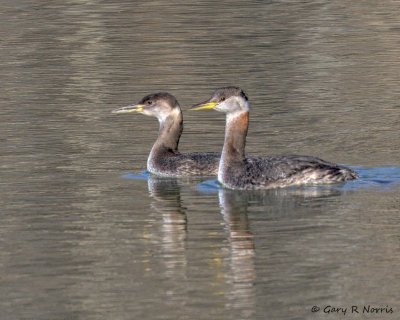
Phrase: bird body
{"type": "Point", "coordinates": [237, 171]}
{"type": "Point", "coordinates": [280, 171]}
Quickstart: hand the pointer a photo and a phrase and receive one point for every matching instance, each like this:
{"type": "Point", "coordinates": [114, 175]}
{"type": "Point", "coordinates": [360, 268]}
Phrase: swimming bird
{"type": "Point", "coordinates": [164, 158]}
{"type": "Point", "coordinates": [237, 171]}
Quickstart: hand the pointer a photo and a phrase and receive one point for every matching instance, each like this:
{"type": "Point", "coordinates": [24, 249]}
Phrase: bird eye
{"type": "Point", "coordinates": [149, 102]}
{"type": "Point", "coordinates": [222, 99]}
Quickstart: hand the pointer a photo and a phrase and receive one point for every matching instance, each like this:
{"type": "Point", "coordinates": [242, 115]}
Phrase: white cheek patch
{"type": "Point", "coordinates": [242, 104]}
{"type": "Point", "coordinates": [233, 104]}
{"type": "Point", "coordinates": [162, 116]}
{"type": "Point", "coordinates": [223, 106]}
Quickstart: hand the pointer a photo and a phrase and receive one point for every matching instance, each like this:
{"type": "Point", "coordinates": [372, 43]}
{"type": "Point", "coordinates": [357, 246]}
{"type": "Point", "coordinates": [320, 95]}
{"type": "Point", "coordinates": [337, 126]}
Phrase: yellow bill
{"type": "Point", "coordinates": [134, 108]}
{"type": "Point", "coordinates": [205, 106]}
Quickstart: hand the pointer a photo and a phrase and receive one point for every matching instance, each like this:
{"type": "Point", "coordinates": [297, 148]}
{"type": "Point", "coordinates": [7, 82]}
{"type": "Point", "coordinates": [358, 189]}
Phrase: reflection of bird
{"type": "Point", "coordinates": [166, 201]}
{"type": "Point", "coordinates": [164, 158]}
{"type": "Point", "coordinates": [236, 171]}
{"type": "Point", "coordinates": [234, 207]}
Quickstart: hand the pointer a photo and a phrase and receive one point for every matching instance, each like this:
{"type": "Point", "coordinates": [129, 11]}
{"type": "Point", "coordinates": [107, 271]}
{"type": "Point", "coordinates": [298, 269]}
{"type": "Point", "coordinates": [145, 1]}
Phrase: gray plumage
{"type": "Point", "coordinates": [175, 164]}
{"type": "Point", "coordinates": [236, 171]}
{"type": "Point", "coordinates": [281, 171]}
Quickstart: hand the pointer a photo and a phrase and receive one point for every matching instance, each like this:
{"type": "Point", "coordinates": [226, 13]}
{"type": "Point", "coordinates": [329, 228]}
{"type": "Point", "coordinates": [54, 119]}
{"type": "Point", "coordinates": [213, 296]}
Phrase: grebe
{"type": "Point", "coordinates": [236, 171]}
{"type": "Point", "coordinates": [164, 158]}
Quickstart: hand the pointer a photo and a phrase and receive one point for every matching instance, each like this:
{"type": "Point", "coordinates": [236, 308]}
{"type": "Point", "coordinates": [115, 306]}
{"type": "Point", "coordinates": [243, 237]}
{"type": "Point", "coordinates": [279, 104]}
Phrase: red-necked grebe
{"type": "Point", "coordinates": [164, 158]}
{"type": "Point", "coordinates": [236, 171]}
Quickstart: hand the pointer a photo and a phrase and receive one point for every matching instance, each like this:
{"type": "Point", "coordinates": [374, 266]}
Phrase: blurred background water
{"type": "Point", "coordinates": [85, 235]}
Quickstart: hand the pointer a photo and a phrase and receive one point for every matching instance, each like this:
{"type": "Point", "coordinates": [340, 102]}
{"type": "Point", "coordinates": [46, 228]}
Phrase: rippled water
{"type": "Point", "coordinates": [85, 234]}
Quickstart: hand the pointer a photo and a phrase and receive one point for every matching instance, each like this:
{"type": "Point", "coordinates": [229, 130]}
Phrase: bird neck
{"type": "Point", "coordinates": [169, 133]}
{"type": "Point", "coordinates": [235, 136]}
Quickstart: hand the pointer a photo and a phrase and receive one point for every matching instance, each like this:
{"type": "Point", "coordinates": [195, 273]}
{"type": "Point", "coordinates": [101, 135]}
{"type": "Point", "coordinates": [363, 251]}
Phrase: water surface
{"type": "Point", "coordinates": [83, 237]}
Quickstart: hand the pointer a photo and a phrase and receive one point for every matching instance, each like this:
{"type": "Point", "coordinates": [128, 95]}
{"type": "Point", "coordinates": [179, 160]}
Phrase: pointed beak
{"type": "Point", "coordinates": [134, 108]}
{"type": "Point", "coordinates": [204, 106]}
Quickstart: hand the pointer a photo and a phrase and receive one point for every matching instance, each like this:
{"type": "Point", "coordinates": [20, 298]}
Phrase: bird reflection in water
{"type": "Point", "coordinates": [235, 274]}
{"type": "Point", "coordinates": [166, 196]}
{"type": "Point", "coordinates": [238, 268]}
{"type": "Point", "coordinates": [241, 258]}
{"type": "Point", "coordinates": [235, 207]}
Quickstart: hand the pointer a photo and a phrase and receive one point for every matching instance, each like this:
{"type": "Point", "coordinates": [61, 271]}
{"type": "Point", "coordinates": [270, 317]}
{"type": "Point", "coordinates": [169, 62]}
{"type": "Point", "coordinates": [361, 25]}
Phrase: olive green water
{"type": "Point", "coordinates": [85, 235]}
